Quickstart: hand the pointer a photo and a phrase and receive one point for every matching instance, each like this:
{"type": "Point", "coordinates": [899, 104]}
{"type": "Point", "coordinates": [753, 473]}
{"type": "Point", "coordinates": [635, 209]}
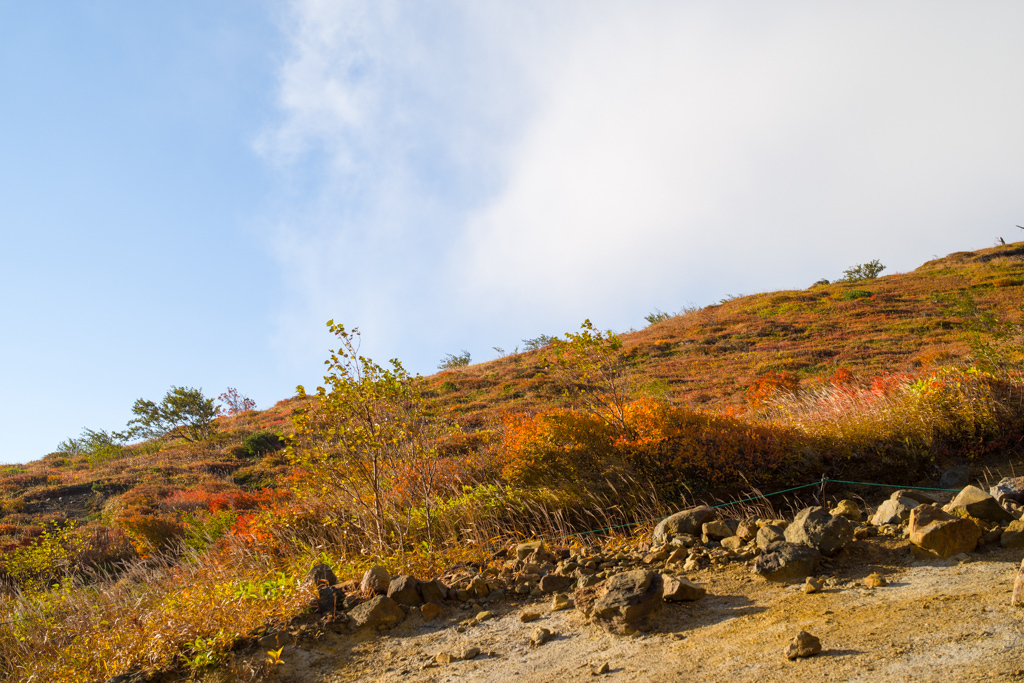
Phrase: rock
{"type": "Point", "coordinates": [681, 590]}
{"type": "Point", "coordinates": [376, 580]}
{"type": "Point", "coordinates": [379, 610]}
{"type": "Point", "coordinates": [937, 534]}
{"type": "Point", "coordinates": [955, 477]}
{"type": "Point", "coordinates": [716, 529]}
{"type": "Point", "coordinates": [560, 601]}
{"type": "Point", "coordinates": [321, 575]}
{"type": "Point", "coordinates": [678, 555]}
{"type": "Point", "coordinates": [497, 595]}
{"type": "Point", "coordinates": [629, 597]}
{"type": "Point", "coordinates": [527, 617]}
{"type": "Point", "coordinates": [539, 637]}
{"type": "Point", "coordinates": [787, 561]}
{"type": "Point", "coordinates": [445, 658]}
{"type": "Point", "coordinates": [803, 645]}
{"type": "Point", "coordinates": [598, 669]}
{"type": "Point", "coordinates": [430, 611]}
{"type": "Point", "coordinates": [747, 530]}
{"type": "Point", "coordinates": [921, 497]}
{"type": "Point", "coordinates": [768, 535]}
{"type": "Point", "coordinates": [692, 564]}
{"type": "Point", "coordinates": [659, 555]}
{"type": "Point", "coordinates": [329, 599]}
{"type": "Point", "coordinates": [484, 616]}
{"type": "Point", "coordinates": [1009, 489]}
{"type": "Point", "coordinates": [524, 550]}
{"type": "Point", "coordinates": [433, 591]}
{"type": "Point", "coordinates": [478, 587]}
{"type": "Point", "coordinates": [894, 511]}
{"type": "Point", "coordinates": [847, 508]}
{"type": "Point", "coordinates": [976, 503]}
{"type": "Point", "coordinates": [813, 585]}
{"type": "Point", "coordinates": [1013, 536]}
{"type": "Point", "coordinates": [405, 591]}
{"type": "Point", "coordinates": [875, 580]}
{"type": "Point", "coordinates": [553, 583]}
{"type": "Point", "coordinates": [685, 522]}
{"type": "Point", "coordinates": [816, 528]}
{"type": "Point", "coordinates": [469, 653]}
{"type": "Point", "coordinates": [732, 543]}
{"type": "Point", "coordinates": [1017, 599]}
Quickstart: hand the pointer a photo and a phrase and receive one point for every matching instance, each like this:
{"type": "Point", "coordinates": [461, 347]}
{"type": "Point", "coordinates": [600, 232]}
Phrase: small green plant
{"type": "Point", "coordinates": [863, 271]}
{"type": "Point", "coordinates": [852, 294]}
{"type": "Point", "coordinates": [184, 412]}
{"type": "Point", "coordinates": [261, 443]}
{"type": "Point", "coordinates": [656, 317]}
{"type": "Point", "coordinates": [452, 361]}
{"type": "Point", "coordinates": [97, 446]}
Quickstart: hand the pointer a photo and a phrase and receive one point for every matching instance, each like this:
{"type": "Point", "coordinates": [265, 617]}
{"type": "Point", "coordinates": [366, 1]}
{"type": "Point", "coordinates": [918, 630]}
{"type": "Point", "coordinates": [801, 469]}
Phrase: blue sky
{"type": "Point", "coordinates": [190, 190]}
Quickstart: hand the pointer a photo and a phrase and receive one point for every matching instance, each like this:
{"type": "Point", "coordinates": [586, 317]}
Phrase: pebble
{"type": "Point", "coordinates": [526, 617]}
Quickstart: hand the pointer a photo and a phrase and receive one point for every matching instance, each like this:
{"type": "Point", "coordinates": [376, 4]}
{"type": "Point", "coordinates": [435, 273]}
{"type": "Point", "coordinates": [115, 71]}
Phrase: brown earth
{"type": "Point", "coordinates": [935, 621]}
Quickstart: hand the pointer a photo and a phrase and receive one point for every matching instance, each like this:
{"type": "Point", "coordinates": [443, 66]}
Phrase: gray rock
{"type": "Point", "coordinates": [894, 511]}
{"type": "Point", "coordinates": [524, 550]}
{"type": "Point", "coordinates": [629, 597]}
{"type": "Point", "coordinates": [376, 580]}
{"type": "Point", "coordinates": [976, 503]}
{"type": "Point", "coordinates": [379, 610]}
{"type": "Point", "coordinates": [685, 522]}
{"type": "Point", "coordinates": [955, 477]}
{"type": "Point", "coordinates": [747, 530]}
{"type": "Point", "coordinates": [321, 575]}
{"type": "Point", "coordinates": [329, 599]}
{"type": "Point", "coordinates": [553, 583]}
{"type": "Point", "coordinates": [816, 528]}
{"type": "Point", "coordinates": [1009, 489]}
{"type": "Point", "coordinates": [405, 591]}
{"type": "Point", "coordinates": [681, 590]}
{"type": "Point", "coordinates": [785, 562]}
{"type": "Point", "coordinates": [433, 591]}
{"type": "Point", "coordinates": [769, 534]}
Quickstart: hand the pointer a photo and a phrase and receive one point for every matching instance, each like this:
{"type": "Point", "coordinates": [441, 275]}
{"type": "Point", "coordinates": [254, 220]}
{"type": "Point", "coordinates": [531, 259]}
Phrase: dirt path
{"type": "Point", "coordinates": [936, 621]}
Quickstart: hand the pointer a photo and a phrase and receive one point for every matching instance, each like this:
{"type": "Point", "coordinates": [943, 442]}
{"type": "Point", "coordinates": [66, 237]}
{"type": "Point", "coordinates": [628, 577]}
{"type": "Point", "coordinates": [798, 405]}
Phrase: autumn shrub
{"type": "Point", "coordinates": [772, 385]}
{"type": "Point", "coordinates": [151, 533]}
{"type": "Point", "coordinates": [261, 443]}
{"type": "Point", "coordinates": [50, 557]}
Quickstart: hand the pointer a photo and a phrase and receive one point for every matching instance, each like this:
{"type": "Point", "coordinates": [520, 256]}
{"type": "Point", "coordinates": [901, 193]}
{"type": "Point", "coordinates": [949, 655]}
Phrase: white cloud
{"type": "Point", "coordinates": [467, 174]}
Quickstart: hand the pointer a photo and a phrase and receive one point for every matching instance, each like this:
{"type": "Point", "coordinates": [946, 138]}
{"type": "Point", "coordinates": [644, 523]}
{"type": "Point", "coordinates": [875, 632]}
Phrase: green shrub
{"type": "Point", "coordinates": [261, 443]}
{"type": "Point", "coordinates": [451, 361]}
{"type": "Point", "coordinates": [853, 294]}
{"type": "Point", "coordinates": [863, 271]}
{"type": "Point", "coordinates": [656, 317]}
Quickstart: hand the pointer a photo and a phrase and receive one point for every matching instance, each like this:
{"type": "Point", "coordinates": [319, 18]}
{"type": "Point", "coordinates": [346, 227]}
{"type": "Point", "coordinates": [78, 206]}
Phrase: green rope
{"type": "Point", "coordinates": [747, 500]}
{"type": "Point", "coordinates": [888, 486]}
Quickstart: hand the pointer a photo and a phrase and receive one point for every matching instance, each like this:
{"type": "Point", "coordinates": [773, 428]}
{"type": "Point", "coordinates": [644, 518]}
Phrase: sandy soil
{"type": "Point", "coordinates": [936, 621]}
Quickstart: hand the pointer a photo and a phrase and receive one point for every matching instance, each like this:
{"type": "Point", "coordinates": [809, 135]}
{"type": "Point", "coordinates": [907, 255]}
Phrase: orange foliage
{"type": "Point", "coordinates": [771, 385]}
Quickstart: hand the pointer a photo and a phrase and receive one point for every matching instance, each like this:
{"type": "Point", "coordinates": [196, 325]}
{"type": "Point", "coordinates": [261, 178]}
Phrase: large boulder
{"type": "Point", "coordinates": [937, 534]}
{"type": "Point", "coordinates": [974, 502]}
{"type": "Point", "coordinates": [894, 511]}
{"type": "Point", "coordinates": [405, 591]}
{"type": "Point", "coordinates": [628, 598]}
{"type": "Point", "coordinates": [376, 612]}
{"type": "Point", "coordinates": [685, 522]}
{"type": "Point", "coordinates": [784, 562]}
{"type": "Point", "coordinates": [1009, 490]}
{"type": "Point", "coordinates": [329, 599]}
{"type": "Point", "coordinates": [816, 528]}
{"type": "Point", "coordinates": [716, 530]}
{"type": "Point", "coordinates": [376, 580]}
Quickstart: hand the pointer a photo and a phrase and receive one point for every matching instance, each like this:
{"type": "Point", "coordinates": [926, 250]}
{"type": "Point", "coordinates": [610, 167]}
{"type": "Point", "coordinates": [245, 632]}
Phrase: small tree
{"type": "Point", "coordinates": [657, 317]}
{"type": "Point", "coordinates": [235, 402]}
{"type": "Point", "coordinates": [452, 361]}
{"type": "Point", "coordinates": [589, 369]}
{"type": "Point", "coordinates": [365, 440]}
{"type": "Point", "coordinates": [184, 412]}
{"type": "Point", "coordinates": [863, 271]}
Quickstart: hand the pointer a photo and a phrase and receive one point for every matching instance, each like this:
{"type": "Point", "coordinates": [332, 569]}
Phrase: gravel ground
{"type": "Point", "coordinates": [935, 621]}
